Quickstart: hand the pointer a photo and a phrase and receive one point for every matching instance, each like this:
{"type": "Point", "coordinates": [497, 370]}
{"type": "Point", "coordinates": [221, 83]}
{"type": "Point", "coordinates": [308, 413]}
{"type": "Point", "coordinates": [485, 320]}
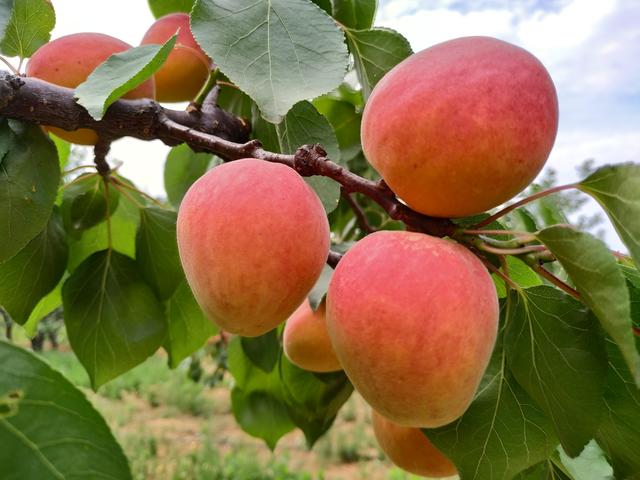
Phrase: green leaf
{"type": "Point", "coordinates": [522, 219]}
{"type": "Point", "coordinates": [29, 176]}
{"type": "Point", "coordinates": [182, 168]}
{"type": "Point", "coordinates": [355, 14]}
{"type": "Point", "coordinates": [305, 125]}
{"type": "Point", "coordinates": [113, 319]}
{"type": "Point", "coordinates": [375, 52]}
{"type": "Point", "coordinates": [234, 100]}
{"type": "Point", "coordinates": [85, 203]}
{"type": "Point", "coordinates": [595, 272]}
{"type": "Point", "coordinates": [119, 74]}
{"type": "Point", "coordinates": [263, 351]}
{"type": "Point", "coordinates": [261, 415]}
{"type": "Point", "coordinates": [189, 328]}
{"type": "Point", "coordinates": [157, 250]}
{"type": "Point", "coordinates": [124, 224]}
{"type": "Point", "coordinates": [279, 52]}
{"type": "Point", "coordinates": [501, 434]}
{"type": "Point", "coordinates": [324, 5]}
{"type": "Point", "coordinates": [34, 271]}
{"type": "Point", "coordinates": [29, 28]}
{"type": "Point", "coordinates": [616, 189]}
{"type": "Point", "coordinates": [313, 400]}
{"type": "Point", "coordinates": [345, 120]}
{"type": "Point", "coordinates": [63, 148]}
{"type": "Point", "coordinates": [45, 306]}
{"type": "Point", "coordinates": [6, 7]}
{"type": "Point", "coordinates": [545, 470]}
{"type": "Point", "coordinates": [160, 8]}
{"type": "Point", "coordinates": [552, 342]}
{"type": "Point", "coordinates": [50, 430]}
{"type": "Point", "coordinates": [591, 464]}
{"type": "Point", "coordinates": [319, 290]}
{"type": "Point", "coordinates": [520, 273]}
{"type": "Point", "coordinates": [620, 427]}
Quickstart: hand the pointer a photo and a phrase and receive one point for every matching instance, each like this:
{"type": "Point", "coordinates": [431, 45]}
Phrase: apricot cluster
{"type": "Point", "coordinates": [412, 319]}
{"type": "Point", "coordinates": [69, 60]}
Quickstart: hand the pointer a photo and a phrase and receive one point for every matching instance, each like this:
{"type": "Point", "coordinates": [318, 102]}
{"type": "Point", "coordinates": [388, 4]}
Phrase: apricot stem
{"type": "Point", "coordinates": [520, 203]}
{"type": "Point", "coordinates": [361, 217]}
{"type": "Point", "coordinates": [509, 251]}
{"type": "Point", "coordinates": [11, 67]}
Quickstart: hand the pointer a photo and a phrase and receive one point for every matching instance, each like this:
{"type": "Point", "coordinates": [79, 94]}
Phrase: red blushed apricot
{"type": "Point", "coordinates": [410, 449]}
{"type": "Point", "coordinates": [68, 61]}
{"type": "Point", "coordinates": [462, 126]}
{"type": "Point", "coordinates": [253, 239]}
{"type": "Point", "coordinates": [413, 320]}
{"type": "Point", "coordinates": [306, 340]}
{"type": "Point", "coordinates": [187, 68]}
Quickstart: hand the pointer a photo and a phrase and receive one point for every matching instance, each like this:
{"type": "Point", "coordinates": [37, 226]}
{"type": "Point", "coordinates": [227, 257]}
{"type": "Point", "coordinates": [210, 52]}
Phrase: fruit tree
{"type": "Point", "coordinates": [345, 212]}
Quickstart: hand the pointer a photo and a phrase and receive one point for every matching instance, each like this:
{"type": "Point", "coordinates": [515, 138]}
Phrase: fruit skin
{"type": "Point", "coordinates": [306, 340]}
{"type": "Point", "coordinates": [69, 60]}
{"type": "Point", "coordinates": [413, 320]}
{"type": "Point", "coordinates": [253, 238]}
{"type": "Point", "coordinates": [187, 68]}
{"type": "Point", "coordinates": [462, 126]}
{"type": "Point", "coordinates": [410, 449]}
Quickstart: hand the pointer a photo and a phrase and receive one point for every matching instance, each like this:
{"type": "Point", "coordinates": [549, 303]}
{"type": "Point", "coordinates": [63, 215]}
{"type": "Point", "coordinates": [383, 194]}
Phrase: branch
{"type": "Point", "coordinates": [361, 217]}
{"type": "Point", "coordinates": [212, 130]}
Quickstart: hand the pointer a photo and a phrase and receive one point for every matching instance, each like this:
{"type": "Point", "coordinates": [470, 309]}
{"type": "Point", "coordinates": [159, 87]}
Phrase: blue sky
{"type": "Point", "coordinates": [590, 47]}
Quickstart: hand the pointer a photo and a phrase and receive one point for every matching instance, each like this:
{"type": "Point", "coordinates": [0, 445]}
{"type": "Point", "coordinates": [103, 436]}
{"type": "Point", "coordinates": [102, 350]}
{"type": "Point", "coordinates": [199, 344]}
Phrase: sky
{"type": "Point", "coordinates": [590, 47]}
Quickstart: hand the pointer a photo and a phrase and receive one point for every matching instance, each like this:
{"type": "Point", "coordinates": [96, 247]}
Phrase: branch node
{"type": "Point", "coordinates": [306, 159]}
{"type": "Point", "coordinates": [100, 156]}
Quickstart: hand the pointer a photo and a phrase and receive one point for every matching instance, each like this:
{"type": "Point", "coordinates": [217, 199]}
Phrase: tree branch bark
{"type": "Point", "coordinates": [210, 129]}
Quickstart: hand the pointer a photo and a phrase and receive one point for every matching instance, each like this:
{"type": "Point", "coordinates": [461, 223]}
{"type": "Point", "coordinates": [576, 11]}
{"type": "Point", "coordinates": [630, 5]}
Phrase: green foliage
{"type": "Point", "coordinates": [355, 14]}
{"type": "Point", "coordinates": [29, 176]}
{"type": "Point", "coordinates": [182, 168]}
{"type": "Point", "coordinates": [29, 27]}
{"type": "Point", "coordinates": [34, 271]}
{"type": "Point", "coordinates": [595, 272]}
{"type": "Point", "coordinates": [189, 328]}
{"type": "Point", "coordinates": [157, 250]}
{"type": "Point", "coordinates": [113, 319]}
{"type": "Point", "coordinates": [303, 124]}
{"type": "Point", "coordinates": [160, 8]}
{"type": "Point", "coordinates": [375, 52]}
{"type": "Point", "coordinates": [6, 7]}
{"type": "Point", "coordinates": [87, 201]}
{"type": "Point", "coordinates": [521, 275]}
{"type": "Point", "coordinates": [119, 74]}
{"type": "Point", "coordinates": [42, 417]}
{"type": "Point", "coordinates": [551, 341]}
{"type": "Point", "coordinates": [267, 51]}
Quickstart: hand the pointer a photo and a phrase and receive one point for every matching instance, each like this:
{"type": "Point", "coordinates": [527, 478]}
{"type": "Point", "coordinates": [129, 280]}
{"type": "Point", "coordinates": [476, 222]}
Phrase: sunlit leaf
{"type": "Point", "coordinates": [29, 28]}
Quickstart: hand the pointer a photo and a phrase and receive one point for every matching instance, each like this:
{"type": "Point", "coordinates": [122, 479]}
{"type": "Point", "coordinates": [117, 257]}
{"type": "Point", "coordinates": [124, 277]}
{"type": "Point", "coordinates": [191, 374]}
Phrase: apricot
{"type": "Point", "coordinates": [306, 340]}
{"type": "Point", "coordinates": [462, 126]}
{"type": "Point", "coordinates": [253, 238]}
{"type": "Point", "coordinates": [187, 67]}
{"type": "Point", "coordinates": [413, 320]}
{"type": "Point", "coordinates": [410, 449]}
{"type": "Point", "coordinates": [68, 61]}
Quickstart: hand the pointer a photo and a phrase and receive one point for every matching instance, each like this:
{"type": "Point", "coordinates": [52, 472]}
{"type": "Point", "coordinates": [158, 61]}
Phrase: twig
{"type": "Point", "coordinates": [500, 273]}
{"type": "Point", "coordinates": [333, 259]}
{"type": "Point", "coordinates": [543, 272]}
{"type": "Point", "coordinates": [117, 181]}
{"type": "Point", "coordinates": [359, 213]}
{"type": "Point", "coordinates": [520, 203]}
{"type": "Point", "coordinates": [100, 152]}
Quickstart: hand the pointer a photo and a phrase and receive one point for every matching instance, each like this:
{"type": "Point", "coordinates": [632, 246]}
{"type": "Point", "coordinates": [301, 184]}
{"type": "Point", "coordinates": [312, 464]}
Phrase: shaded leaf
{"type": "Point", "coordinates": [324, 5]}
{"type": "Point", "coordinates": [119, 74]}
{"type": "Point", "coordinates": [29, 28]}
{"type": "Point", "coordinates": [595, 272]}
{"type": "Point", "coordinates": [86, 202]}
{"type": "Point", "coordinates": [263, 351]}
{"type": "Point", "coordinates": [265, 49]}
{"type": "Point", "coordinates": [616, 188]}
{"type": "Point", "coordinates": [113, 319]}
{"type": "Point", "coordinates": [29, 176]}
{"type": "Point", "coordinates": [234, 100]}
{"type": "Point", "coordinates": [189, 328]}
{"type": "Point", "coordinates": [157, 250]}
{"type": "Point", "coordinates": [6, 7]}
{"type": "Point", "coordinates": [182, 168]}
{"type": "Point", "coordinates": [620, 427]}
{"type": "Point", "coordinates": [45, 306]}
{"type": "Point", "coordinates": [51, 429]}
{"type": "Point", "coordinates": [355, 14]}
{"type": "Point", "coordinates": [160, 8]}
{"type": "Point", "coordinates": [545, 470]}
{"type": "Point", "coordinates": [521, 275]}
{"type": "Point", "coordinates": [555, 350]}
{"type": "Point", "coordinates": [345, 120]}
{"type": "Point", "coordinates": [501, 434]}
{"type": "Point", "coordinates": [375, 52]}
{"type": "Point", "coordinates": [34, 271]}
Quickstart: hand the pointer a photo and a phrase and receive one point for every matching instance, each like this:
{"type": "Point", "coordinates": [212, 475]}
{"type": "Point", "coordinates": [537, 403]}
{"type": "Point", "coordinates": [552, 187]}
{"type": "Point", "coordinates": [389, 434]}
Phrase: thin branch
{"type": "Point", "coordinates": [361, 217]}
{"type": "Point", "coordinates": [333, 259]}
{"type": "Point", "coordinates": [507, 279]}
{"type": "Point", "coordinates": [100, 152]}
{"type": "Point", "coordinates": [543, 272]}
{"type": "Point", "coordinates": [520, 203]}
{"type": "Point", "coordinates": [119, 182]}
